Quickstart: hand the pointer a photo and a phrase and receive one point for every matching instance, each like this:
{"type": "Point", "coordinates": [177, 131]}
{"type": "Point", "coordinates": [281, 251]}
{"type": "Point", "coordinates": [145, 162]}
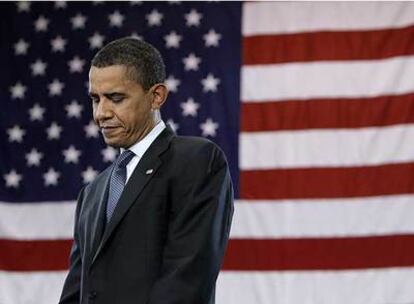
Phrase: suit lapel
{"type": "Point", "coordinates": [146, 168]}
{"type": "Point", "coordinates": [97, 222]}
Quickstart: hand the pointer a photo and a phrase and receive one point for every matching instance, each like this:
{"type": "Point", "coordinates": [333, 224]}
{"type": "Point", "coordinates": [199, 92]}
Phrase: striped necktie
{"type": "Point", "coordinates": [117, 182]}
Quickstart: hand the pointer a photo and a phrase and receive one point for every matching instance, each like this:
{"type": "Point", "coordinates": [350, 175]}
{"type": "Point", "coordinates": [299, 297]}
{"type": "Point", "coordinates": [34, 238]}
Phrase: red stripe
{"type": "Point", "coordinates": [327, 113]}
{"type": "Point", "coordinates": [34, 255]}
{"type": "Point", "coordinates": [327, 182]}
{"type": "Point", "coordinates": [357, 45]}
{"type": "Point", "coordinates": [320, 254]}
{"type": "Point", "coordinates": [244, 254]}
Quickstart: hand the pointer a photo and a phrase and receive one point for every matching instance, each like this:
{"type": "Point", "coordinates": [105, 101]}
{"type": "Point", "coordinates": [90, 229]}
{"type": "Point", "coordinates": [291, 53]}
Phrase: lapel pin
{"type": "Point", "coordinates": [149, 171]}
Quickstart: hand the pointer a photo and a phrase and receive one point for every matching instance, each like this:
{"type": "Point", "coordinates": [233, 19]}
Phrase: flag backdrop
{"type": "Point", "coordinates": [313, 104]}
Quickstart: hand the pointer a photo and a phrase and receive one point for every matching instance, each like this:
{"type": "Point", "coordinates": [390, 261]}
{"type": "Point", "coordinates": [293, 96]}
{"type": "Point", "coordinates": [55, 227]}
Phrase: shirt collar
{"type": "Point", "coordinates": [141, 146]}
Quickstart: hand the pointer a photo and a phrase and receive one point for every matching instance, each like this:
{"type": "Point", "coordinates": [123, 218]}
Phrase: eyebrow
{"type": "Point", "coordinates": [109, 95]}
{"type": "Point", "coordinates": [114, 94]}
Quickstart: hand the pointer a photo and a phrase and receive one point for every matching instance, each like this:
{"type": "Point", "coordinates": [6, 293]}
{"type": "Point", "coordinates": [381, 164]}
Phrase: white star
{"type": "Point", "coordinates": [172, 83]}
{"type": "Point", "coordinates": [78, 22]}
{"type": "Point", "coordinates": [190, 107]}
{"type": "Point", "coordinates": [41, 24]}
{"type": "Point", "coordinates": [91, 129]}
{"type": "Point", "coordinates": [74, 109]}
{"type": "Point", "coordinates": [21, 47]}
{"type": "Point", "coordinates": [33, 158]}
{"type": "Point", "coordinates": [109, 154]}
{"type": "Point", "coordinates": [12, 179]}
{"type": "Point", "coordinates": [191, 62]}
{"type": "Point", "coordinates": [89, 175]}
{"type": "Point", "coordinates": [71, 155]}
{"type": "Point", "coordinates": [174, 126]}
{"type": "Point", "coordinates": [38, 67]}
{"type": "Point", "coordinates": [60, 4]}
{"type": "Point", "coordinates": [193, 18]}
{"type": "Point", "coordinates": [210, 83]}
{"type": "Point", "coordinates": [116, 19]}
{"type": "Point", "coordinates": [211, 38]}
{"type": "Point", "coordinates": [154, 18]}
{"type": "Point", "coordinates": [172, 40]}
{"type": "Point", "coordinates": [136, 36]}
{"type": "Point", "coordinates": [53, 132]}
{"type": "Point", "coordinates": [56, 87]}
{"type": "Point", "coordinates": [36, 112]}
{"type": "Point", "coordinates": [96, 41]}
{"type": "Point", "coordinates": [23, 6]}
{"type": "Point", "coordinates": [16, 134]}
{"type": "Point", "coordinates": [18, 90]}
{"type": "Point", "coordinates": [76, 65]}
{"type": "Point", "coordinates": [209, 128]}
{"type": "Point", "coordinates": [51, 177]}
{"type": "Point", "coordinates": [58, 44]}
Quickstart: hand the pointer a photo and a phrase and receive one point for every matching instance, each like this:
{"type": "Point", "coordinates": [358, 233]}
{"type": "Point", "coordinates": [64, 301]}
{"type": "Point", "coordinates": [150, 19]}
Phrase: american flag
{"type": "Point", "coordinates": [313, 104]}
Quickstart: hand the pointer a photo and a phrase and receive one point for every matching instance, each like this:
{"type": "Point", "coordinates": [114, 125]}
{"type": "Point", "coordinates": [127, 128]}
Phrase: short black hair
{"type": "Point", "coordinates": [143, 61]}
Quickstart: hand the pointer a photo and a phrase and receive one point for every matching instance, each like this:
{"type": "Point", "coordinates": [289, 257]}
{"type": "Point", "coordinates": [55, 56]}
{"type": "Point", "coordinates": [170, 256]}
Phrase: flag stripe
{"type": "Point", "coordinates": [254, 218]}
{"type": "Point", "coordinates": [327, 182]}
{"type": "Point", "coordinates": [326, 148]}
{"type": "Point", "coordinates": [34, 255]}
{"type": "Point", "coordinates": [394, 286]}
{"type": "Point", "coordinates": [31, 287]}
{"type": "Point", "coordinates": [21, 221]}
{"type": "Point", "coordinates": [389, 215]}
{"type": "Point", "coordinates": [371, 286]}
{"type": "Point", "coordinates": [246, 254]}
{"type": "Point", "coordinates": [274, 115]}
{"type": "Point", "coordinates": [290, 17]}
{"type": "Point", "coordinates": [319, 253]}
{"type": "Point", "coordinates": [331, 79]}
{"type": "Point", "coordinates": [302, 47]}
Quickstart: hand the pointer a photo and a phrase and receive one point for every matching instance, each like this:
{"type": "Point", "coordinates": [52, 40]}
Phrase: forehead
{"type": "Point", "coordinates": [112, 79]}
{"type": "Point", "coordinates": [110, 74]}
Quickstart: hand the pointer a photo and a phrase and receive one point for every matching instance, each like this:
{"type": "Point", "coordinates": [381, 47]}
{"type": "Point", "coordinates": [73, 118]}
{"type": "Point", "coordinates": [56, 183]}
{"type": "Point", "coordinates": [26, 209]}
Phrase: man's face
{"type": "Point", "coordinates": [121, 107]}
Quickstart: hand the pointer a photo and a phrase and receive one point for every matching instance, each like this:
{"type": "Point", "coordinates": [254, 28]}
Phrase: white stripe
{"type": "Point", "coordinates": [350, 79]}
{"type": "Point", "coordinates": [25, 221]}
{"type": "Point", "coordinates": [253, 219]}
{"type": "Point", "coordinates": [326, 148]}
{"type": "Point", "coordinates": [332, 218]}
{"type": "Point", "coordinates": [382, 286]}
{"type": "Point", "coordinates": [283, 17]}
{"type": "Point", "coordinates": [31, 287]}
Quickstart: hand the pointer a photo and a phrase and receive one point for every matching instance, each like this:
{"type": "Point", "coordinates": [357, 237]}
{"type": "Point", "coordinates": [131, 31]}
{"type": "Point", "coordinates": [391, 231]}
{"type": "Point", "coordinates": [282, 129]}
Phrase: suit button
{"type": "Point", "coordinates": [92, 295]}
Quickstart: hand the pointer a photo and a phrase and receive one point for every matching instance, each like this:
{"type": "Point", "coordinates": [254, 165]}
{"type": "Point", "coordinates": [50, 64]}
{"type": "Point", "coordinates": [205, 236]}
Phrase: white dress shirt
{"type": "Point", "coordinates": [140, 147]}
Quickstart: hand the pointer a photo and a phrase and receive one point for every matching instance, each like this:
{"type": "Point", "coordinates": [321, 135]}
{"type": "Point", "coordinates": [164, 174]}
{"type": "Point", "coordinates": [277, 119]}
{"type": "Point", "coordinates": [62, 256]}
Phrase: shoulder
{"type": "Point", "coordinates": [193, 143]}
{"type": "Point", "coordinates": [196, 152]}
{"type": "Point", "coordinates": [191, 146]}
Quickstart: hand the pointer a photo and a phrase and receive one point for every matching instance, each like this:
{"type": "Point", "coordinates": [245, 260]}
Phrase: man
{"type": "Point", "coordinates": [161, 237]}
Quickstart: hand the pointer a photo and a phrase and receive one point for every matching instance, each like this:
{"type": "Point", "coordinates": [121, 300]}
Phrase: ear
{"type": "Point", "coordinates": [159, 95]}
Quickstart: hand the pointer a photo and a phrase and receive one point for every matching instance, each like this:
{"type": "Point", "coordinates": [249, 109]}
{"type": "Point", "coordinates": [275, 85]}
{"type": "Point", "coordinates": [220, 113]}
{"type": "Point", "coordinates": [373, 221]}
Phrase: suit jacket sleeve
{"type": "Point", "coordinates": [198, 232]}
{"type": "Point", "coordinates": [71, 288]}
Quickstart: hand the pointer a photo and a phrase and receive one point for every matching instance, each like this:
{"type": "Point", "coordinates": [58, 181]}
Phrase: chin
{"type": "Point", "coordinates": [113, 143]}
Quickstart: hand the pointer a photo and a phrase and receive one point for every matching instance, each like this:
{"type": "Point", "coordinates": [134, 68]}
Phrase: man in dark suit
{"type": "Point", "coordinates": [153, 227]}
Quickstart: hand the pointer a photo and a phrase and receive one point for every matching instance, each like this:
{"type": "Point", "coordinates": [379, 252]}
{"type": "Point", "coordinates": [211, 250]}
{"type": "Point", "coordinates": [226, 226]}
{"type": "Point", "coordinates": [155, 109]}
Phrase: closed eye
{"type": "Point", "coordinates": [116, 97]}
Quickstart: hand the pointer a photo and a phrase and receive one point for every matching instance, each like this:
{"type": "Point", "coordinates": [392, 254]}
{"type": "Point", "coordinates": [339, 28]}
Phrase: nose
{"type": "Point", "coordinates": [102, 110]}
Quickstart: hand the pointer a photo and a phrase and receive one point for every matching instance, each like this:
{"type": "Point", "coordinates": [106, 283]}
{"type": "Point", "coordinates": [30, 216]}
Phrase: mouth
{"type": "Point", "coordinates": [106, 130]}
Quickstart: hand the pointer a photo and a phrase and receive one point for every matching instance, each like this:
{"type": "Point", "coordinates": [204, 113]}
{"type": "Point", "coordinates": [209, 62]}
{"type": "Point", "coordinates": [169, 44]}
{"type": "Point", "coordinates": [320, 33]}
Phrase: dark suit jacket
{"type": "Point", "coordinates": [166, 239]}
